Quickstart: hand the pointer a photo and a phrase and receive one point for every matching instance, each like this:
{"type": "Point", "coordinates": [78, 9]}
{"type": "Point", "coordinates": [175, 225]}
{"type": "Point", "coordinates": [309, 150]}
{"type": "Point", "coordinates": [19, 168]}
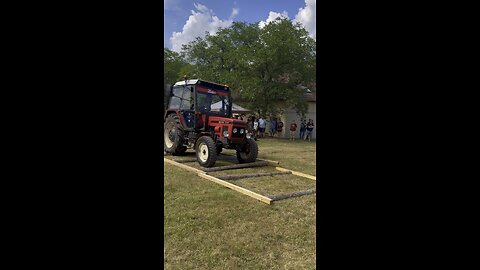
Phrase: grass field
{"type": "Point", "coordinates": [208, 226]}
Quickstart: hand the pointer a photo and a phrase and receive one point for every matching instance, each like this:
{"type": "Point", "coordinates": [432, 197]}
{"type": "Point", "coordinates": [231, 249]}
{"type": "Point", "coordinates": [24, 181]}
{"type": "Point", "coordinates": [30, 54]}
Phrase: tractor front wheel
{"type": "Point", "coordinates": [206, 151]}
{"type": "Point", "coordinates": [248, 152]}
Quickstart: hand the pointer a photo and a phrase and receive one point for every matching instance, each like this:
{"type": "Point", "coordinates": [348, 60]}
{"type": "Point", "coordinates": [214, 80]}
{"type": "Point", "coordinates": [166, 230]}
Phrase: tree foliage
{"type": "Point", "coordinates": [268, 69]}
{"type": "Point", "coordinates": [173, 64]}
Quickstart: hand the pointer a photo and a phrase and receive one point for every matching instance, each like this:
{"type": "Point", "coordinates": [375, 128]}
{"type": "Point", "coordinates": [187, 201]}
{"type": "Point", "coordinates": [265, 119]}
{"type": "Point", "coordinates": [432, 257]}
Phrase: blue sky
{"type": "Point", "coordinates": [185, 19]}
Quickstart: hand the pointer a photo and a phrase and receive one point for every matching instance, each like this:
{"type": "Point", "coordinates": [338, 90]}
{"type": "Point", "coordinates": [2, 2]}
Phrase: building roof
{"type": "Point", "coordinates": [311, 96]}
{"type": "Point", "coordinates": [235, 108]}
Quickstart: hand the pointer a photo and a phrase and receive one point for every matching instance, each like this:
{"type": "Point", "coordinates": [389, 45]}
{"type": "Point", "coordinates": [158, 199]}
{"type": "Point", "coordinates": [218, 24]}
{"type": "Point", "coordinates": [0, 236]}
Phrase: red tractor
{"type": "Point", "coordinates": [199, 116]}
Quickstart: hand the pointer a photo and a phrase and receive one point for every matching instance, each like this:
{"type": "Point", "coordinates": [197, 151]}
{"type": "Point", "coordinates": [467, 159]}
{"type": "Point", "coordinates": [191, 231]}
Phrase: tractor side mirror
{"type": "Point", "coordinates": [191, 89]}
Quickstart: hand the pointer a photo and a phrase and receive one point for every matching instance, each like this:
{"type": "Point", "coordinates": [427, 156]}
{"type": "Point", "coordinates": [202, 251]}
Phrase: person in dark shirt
{"type": "Point", "coordinates": [293, 129]}
{"type": "Point", "coordinates": [279, 127]}
{"type": "Point", "coordinates": [309, 129]}
{"type": "Point", "coordinates": [303, 127]}
{"type": "Point", "coordinates": [273, 126]}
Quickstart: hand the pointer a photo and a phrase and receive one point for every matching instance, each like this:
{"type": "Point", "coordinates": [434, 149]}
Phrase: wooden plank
{"type": "Point", "coordinates": [298, 173]}
{"type": "Point", "coordinates": [261, 159]}
{"type": "Point", "coordinates": [236, 166]}
{"type": "Point", "coordinates": [185, 160]}
{"type": "Point", "coordinates": [250, 175]}
{"type": "Point", "coordinates": [292, 195]}
{"type": "Point", "coordinates": [236, 188]}
{"type": "Point", "coordinates": [182, 165]}
{"type": "Point", "coordinates": [271, 161]}
{"type": "Point", "coordinates": [194, 159]}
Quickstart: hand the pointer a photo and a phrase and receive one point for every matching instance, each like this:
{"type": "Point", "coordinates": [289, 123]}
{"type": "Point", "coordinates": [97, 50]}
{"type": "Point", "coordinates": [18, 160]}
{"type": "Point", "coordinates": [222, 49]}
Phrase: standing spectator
{"type": "Point", "coordinates": [279, 127]}
{"type": "Point", "coordinates": [261, 126]}
{"type": "Point", "coordinates": [293, 129]}
{"type": "Point", "coordinates": [273, 126]}
{"type": "Point", "coordinates": [255, 128]}
{"type": "Point", "coordinates": [303, 127]}
{"type": "Point", "coordinates": [250, 125]}
{"type": "Point", "coordinates": [309, 129]}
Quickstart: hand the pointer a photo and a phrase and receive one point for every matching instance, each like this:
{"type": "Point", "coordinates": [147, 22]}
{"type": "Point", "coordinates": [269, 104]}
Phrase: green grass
{"type": "Point", "coordinates": [208, 226]}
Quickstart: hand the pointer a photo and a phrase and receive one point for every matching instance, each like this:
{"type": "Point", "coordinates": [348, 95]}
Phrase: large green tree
{"type": "Point", "coordinates": [264, 67]}
{"type": "Point", "coordinates": [173, 64]}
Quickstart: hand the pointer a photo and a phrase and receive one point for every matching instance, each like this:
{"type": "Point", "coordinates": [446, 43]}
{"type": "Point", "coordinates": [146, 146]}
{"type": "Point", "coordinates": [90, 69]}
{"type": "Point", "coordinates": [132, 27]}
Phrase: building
{"type": "Point", "coordinates": [311, 113]}
{"type": "Point", "coordinates": [291, 114]}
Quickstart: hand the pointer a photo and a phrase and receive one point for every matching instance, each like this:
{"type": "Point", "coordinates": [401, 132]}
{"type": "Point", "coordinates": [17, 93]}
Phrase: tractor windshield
{"type": "Point", "coordinates": [216, 102]}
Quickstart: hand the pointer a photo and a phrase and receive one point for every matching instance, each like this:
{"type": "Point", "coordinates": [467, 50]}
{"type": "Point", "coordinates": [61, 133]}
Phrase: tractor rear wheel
{"type": "Point", "coordinates": [248, 152]}
{"type": "Point", "coordinates": [173, 136]}
{"type": "Point", "coordinates": [206, 151]}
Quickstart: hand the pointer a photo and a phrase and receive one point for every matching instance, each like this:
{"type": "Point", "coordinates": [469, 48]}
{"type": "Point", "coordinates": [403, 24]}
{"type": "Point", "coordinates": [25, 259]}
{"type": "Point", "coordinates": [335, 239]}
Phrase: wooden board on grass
{"type": "Point", "coordinates": [292, 195]}
{"type": "Point", "coordinates": [298, 173]}
{"type": "Point", "coordinates": [244, 191]}
{"type": "Point", "coordinates": [251, 175]}
{"type": "Point", "coordinates": [182, 165]}
{"type": "Point", "coordinates": [237, 166]}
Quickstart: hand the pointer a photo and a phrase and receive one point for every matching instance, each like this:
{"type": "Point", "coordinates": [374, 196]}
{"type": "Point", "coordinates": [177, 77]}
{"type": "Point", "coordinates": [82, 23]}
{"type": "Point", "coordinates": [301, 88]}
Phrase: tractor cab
{"type": "Point", "coordinates": [196, 100]}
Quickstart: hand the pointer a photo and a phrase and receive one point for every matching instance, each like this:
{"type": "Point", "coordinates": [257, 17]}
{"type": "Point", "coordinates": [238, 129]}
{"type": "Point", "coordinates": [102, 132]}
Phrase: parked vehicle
{"type": "Point", "coordinates": [199, 117]}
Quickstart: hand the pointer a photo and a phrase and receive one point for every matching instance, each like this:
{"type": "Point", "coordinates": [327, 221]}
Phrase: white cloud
{"type": "Point", "coordinates": [201, 21]}
{"type": "Point", "coordinates": [272, 16]}
{"type": "Point", "coordinates": [307, 16]}
{"type": "Point", "coordinates": [234, 13]}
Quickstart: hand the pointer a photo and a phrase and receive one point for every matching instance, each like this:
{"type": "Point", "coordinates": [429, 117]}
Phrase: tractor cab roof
{"type": "Point", "coordinates": [203, 83]}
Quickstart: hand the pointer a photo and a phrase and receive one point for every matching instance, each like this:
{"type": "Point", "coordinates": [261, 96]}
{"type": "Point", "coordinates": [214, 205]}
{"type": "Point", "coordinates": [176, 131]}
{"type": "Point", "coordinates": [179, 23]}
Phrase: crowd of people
{"type": "Point", "coordinates": [257, 127]}
{"type": "Point", "coordinates": [306, 129]}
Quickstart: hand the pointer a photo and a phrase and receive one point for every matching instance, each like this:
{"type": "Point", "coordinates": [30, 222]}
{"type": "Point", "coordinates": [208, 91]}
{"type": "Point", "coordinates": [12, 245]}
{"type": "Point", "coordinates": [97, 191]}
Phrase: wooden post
{"type": "Point", "coordinates": [185, 160]}
{"type": "Point", "coordinates": [261, 159]}
{"type": "Point", "coordinates": [292, 195]}
{"type": "Point", "coordinates": [250, 175]}
{"type": "Point", "coordinates": [271, 161]}
{"type": "Point", "coordinates": [236, 166]}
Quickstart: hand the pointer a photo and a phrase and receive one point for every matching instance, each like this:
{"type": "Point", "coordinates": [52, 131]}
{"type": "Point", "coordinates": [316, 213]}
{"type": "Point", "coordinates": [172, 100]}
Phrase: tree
{"type": "Point", "coordinates": [173, 64]}
{"type": "Point", "coordinates": [264, 67]}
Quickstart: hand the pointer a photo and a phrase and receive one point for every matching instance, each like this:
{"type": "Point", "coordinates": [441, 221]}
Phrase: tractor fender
{"type": "Point", "coordinates": [178, 114]}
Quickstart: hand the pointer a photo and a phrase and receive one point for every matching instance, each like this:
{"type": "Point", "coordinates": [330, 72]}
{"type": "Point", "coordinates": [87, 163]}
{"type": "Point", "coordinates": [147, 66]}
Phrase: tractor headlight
{"type": "Point", "coordinates": [235, 130]}
{"type": "Point", "coordinates": [248, 136]}
{"type": "Point", "coordinates": [225, 133]}
{"type": "Point", "coordinates": [241, 131]}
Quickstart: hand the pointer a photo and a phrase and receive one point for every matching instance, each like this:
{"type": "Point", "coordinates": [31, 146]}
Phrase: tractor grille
{"type": "Point", "coordinates": [238, 135]}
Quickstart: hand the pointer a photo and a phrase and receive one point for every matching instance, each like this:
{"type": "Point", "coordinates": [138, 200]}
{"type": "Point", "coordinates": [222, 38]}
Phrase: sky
{"type": "Point", "coordinates": [186, 19]}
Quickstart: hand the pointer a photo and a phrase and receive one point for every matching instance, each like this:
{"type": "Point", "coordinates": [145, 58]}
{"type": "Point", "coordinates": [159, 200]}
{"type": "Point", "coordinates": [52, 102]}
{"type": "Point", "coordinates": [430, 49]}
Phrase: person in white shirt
{"type": "Point", "coordinates": [255, 128]}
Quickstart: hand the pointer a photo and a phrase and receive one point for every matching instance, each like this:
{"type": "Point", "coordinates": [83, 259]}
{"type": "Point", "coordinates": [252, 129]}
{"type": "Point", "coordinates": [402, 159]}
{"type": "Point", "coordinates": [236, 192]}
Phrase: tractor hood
{"type": "Point", "coordinates": [230, 129]}
{"type": "Point", "coordinates": [227, 121]}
